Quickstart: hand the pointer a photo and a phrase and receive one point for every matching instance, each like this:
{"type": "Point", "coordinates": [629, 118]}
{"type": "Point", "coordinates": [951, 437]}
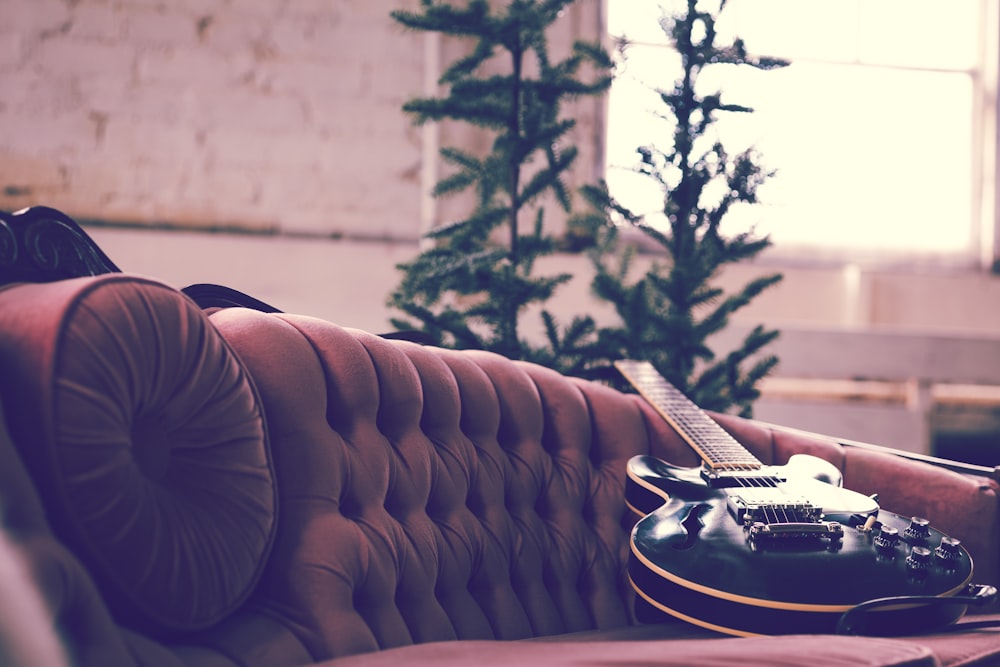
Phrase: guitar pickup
{"type": "Point", "coordinates": [822, 530]}
{"type": "Point", "coordinates": [723, 479]}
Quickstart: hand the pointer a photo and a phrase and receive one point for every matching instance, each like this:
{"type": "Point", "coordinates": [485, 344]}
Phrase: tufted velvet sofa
{"type": "Point", "coordinates": [223, 486]}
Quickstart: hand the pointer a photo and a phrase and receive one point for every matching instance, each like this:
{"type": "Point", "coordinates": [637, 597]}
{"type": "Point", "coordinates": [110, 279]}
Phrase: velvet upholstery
{"type": "Point", "coordinates": [301, 493]}
{"type": "Point", "coordinates": [456, 513]}
{"type": "Point", "coordinates": [458, 495]}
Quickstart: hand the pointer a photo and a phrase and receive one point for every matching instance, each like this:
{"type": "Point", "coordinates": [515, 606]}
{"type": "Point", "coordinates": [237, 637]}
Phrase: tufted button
{"type": "Point", "coordinates": [151, 446]}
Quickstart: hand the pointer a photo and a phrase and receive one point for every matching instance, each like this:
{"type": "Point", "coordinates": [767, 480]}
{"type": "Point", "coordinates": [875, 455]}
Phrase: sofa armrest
{"type": "Point", "coordinates": [51, 612]}
{"type": "Point", "coordinates": [143, 435]}
{"type": "Point", "coordinates": [963, 506]}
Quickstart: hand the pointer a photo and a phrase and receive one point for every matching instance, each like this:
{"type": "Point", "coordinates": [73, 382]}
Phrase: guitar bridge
{"type": "Point", "coordinates": [770, 506]}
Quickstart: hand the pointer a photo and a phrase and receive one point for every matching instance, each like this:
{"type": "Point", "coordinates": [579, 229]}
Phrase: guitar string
{"type": "Point", "coordinates": [772, 514]}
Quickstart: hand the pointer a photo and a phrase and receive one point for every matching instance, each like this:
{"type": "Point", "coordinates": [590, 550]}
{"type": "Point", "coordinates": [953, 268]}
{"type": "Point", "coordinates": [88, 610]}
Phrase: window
{"type": "Point", "coordinates": [881, 130]}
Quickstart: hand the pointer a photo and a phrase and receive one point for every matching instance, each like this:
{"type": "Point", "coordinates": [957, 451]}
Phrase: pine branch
{"type": "Point", "coordinates": [464, 67]}
{"type": "Point", "coordinates": [595, 54]}
{"type": "Point", "coordinates": [661, 238]}
{"type": "Point", "coordinates": [454, 183]}
{"type": "Point", "coordinates": [757, 339]}
{"type": "Point", "coordinates": [548, 178]}
{"type": "Point", "coordinates": [473, 21]}
{"type": "Point", "coordinates": [572, 352]}
{"type": "Point", "coordinates": [482, 220]}
{"type": "Point", "coordinates": [483, 112]}
{"type": "Point", "coordinates": [441, 326]}
{"type": "Point", "coordinates": [461, 158]}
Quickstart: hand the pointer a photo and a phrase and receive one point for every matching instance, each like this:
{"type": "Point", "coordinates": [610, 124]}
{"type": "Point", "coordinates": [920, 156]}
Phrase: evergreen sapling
{"type": "Point", "coordinates": [472, 288]}
{"type": "Point", "coordinates": [669, 314]}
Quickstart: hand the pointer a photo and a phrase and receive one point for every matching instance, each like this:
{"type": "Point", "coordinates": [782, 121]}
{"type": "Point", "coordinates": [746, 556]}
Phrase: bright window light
{"type": "Point", "coordinates": [873, 129]}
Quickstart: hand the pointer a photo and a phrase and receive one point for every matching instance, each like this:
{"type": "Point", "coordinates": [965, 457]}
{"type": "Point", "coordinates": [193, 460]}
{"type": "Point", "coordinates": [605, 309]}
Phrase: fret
{"type": "Point", "coordinates": [711, 442]}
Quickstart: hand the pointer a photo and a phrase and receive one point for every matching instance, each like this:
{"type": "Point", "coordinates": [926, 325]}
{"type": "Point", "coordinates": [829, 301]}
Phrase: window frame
{"type": "Point", "coordinates": [984, 223]}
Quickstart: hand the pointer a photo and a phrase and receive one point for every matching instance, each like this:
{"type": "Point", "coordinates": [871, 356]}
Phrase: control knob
{"type": "Point", "coordinates": [919, 560]}
{"type": "Point", "coordinates": [948, 552]}
{"type": "Point", "coordinates": [886, 540]}
{"type": "Point", "coordinates": [918, 531]}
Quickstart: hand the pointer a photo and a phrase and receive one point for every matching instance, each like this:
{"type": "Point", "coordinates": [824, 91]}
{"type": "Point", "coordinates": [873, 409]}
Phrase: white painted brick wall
{"type": "Point", "coordinates": [255, 114]}
{"type": "Point", "coordinates": [266, 115]}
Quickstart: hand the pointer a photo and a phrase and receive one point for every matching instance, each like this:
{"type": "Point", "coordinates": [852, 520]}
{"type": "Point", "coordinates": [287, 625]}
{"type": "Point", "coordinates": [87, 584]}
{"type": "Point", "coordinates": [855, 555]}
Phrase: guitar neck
{"type": "Point", "coordinates": [718, 449]}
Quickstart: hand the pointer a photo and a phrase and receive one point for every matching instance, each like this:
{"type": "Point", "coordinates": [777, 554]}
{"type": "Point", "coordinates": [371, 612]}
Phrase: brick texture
{"type": "Point", "coordinates": [277, 116]}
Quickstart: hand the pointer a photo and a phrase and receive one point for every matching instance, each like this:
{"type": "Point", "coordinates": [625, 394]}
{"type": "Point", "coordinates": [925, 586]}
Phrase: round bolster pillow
{"type": "Point", "coordinates": [145, 437]}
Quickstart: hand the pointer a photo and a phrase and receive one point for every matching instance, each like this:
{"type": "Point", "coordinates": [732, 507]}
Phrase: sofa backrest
{"type": "Point", "coordinates": [428, 494]}
{"type": "Point", "coordinates": [275, 489]}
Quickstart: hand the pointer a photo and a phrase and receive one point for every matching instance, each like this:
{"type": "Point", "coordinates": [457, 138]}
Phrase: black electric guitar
{"type": "Point", "coordinates": [748, 549]}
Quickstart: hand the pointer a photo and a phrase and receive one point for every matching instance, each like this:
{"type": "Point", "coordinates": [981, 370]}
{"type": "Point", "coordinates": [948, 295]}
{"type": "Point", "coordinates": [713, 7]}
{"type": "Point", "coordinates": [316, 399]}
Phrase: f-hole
{"type": "Point", "coordinates": [692, 525]}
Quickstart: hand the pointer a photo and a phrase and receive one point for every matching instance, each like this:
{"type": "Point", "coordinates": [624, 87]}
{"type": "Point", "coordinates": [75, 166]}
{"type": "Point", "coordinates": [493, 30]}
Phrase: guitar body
{"type": "Point", "coordinates": [788, 555]}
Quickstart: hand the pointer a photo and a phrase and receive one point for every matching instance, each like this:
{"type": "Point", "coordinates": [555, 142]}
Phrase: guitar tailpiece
{"type": "Point", "coordinates": [855, 620]}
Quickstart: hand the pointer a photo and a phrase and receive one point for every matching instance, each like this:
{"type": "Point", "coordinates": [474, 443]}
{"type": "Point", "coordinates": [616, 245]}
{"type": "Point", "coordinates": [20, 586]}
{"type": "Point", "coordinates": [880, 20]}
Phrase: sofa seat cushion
{"type": "Point", "coordinates": [145, 438]}
{"type": "Point", "coordinates": [790, 650]}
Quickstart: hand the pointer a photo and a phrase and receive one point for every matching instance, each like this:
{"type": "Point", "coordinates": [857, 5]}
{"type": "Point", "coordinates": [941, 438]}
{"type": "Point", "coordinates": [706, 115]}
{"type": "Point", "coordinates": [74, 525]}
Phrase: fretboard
{"type": "Point", "coordinates": [718, 449]}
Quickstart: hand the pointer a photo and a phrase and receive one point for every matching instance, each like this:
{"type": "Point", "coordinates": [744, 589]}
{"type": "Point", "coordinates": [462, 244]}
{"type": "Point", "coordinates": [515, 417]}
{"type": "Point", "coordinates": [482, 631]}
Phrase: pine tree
{"type": "Point", "coordinates": [670, 313]}
{"type": "Point", "coordinates": [474, 286]}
